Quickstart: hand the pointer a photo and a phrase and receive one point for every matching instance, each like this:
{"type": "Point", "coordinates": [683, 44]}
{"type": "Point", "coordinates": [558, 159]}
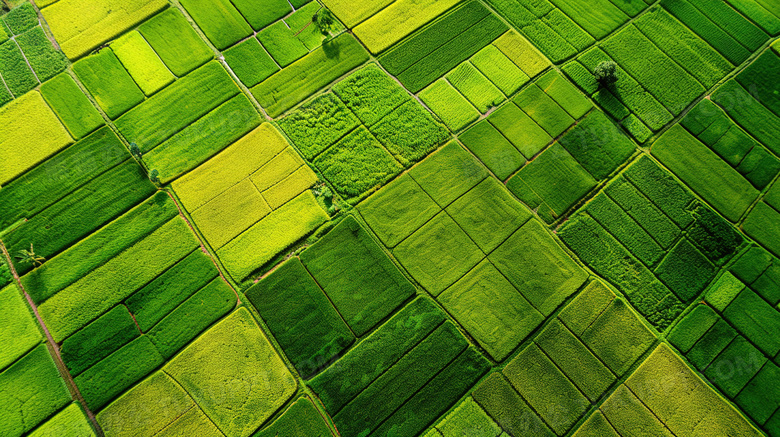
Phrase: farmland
{"type": "Point", "coordinates": [389, 218]}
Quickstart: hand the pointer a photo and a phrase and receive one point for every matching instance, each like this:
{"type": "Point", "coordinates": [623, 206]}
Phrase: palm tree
{"type": "Point", "coordinates": [29, 257]}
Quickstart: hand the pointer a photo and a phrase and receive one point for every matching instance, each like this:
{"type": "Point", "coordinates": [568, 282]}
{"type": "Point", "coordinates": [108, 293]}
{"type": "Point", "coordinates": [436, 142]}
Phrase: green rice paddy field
{"type": "Point", "coordinates": [437, 218]}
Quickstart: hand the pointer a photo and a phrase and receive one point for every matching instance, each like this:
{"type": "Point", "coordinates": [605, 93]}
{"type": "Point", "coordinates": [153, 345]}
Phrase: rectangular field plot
{"type": "Point", "coordinates": [304, 77]}
{"type": "Point", "coordinates": [705, 172]}
{"type": "Point", "coordinates": [574, 361]}
{"type": "Point", "coordinates": [439, 47]}
{"type": "Point", "coordinates": [663, 396]}
{"type": "Point", "coordinates": [375, 286]}
{"type": "Point", "coordinates": [291, 303]}
{"type": "Point", "coordinates": [647, 235]}
{"type": "Point", "coordinates": [410, 376]}
{"type": "Point", "coordinates": [714, 128]}
{"type": "Point", "coordinates": [248, 188]}
{"type": "Point", "coordinates": [564, 27]}
{"type": "Point", "coordinates": [28, 120]}
{"type": "Point", "coordinates": [364, 132]}
{"type": "Point", "coordinates": [82, 26]}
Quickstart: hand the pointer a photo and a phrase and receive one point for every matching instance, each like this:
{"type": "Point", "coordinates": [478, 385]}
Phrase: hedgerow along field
{"type": "Point", "coordinates": [438, 218]}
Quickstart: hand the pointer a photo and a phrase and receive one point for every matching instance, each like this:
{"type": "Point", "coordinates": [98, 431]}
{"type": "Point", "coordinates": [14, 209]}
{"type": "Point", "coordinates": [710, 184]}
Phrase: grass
{"type": "Point", "coordinates": [71, 105]}
{"type": "Point", "coordinates": [705, 172]}
{"type": "Point", "coordinates": [237, 347]}
{"type": "Point", "coordinates": [318, 124]}
{"type": "Point", "coordinates": [96, 341]}
{"type": "Point", "coordinates": [376, 353]}
{"type": "Point", "coordinates": [175, 42]}
{"type": "Point", "coordinates": [103, 244]}
{"type": "Point", "coordinates": [357, 163]}
{"type": "Point", "coordinates": [169, 111]}
{"type": "Point", "coordinates": [394, 22]}
{"type": "Point", "coordinates": [448, 174]}
{"type": "Point", "coordinates": [251, 63]}
{"type": "Point", "coordinates": [449, 105]}
{"type": "Point", "coordinates": [192, 317]}
{"type": "Point", "coordinates": [491, 310]}
{"type": "Point", "coordinates": [80, 27]}
{"type": "Point", "coordinates": [306, 76]}
{"type": "Point", "coordinates": [143, 64]}
{"type": "Point", "coordinates": [370, 94]}
{"type": "Point", "coordinates": [397, 210]}
{"type": "Point", "coordinates": [493, 149]}
{"type": "Point", "coordinates": [376, 286]}
{"type": "Point", "coordinates": [33, 377]}
{"type": "Point", "coordinates": [301, 318]}
{"type": "Point", "coordinates": [109, 83]}
{"type": "Point", "coordinates": [20, 333]}
{"type": "Point", "coordinates": [44, 59]}
{"type": "Point", "coordinates": [220, 21]}
{"type": "Point", "coordinates": [165, 293]}
{"type": "Point", "coordinates": [86, 299]}
{"type": "Point", "coordinates": [28, 119]}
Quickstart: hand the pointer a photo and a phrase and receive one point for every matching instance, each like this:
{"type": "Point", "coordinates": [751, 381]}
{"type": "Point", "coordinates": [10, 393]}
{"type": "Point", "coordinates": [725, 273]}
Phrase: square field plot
{"type": "Point", "coordinates": [360, 279]}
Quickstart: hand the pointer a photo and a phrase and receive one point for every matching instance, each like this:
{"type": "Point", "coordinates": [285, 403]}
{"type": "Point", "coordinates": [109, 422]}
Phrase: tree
{"type": "Point", "coordinates": [325, 22]}
{"type": "Point", "coordinates": [154, 176]}
{"type": "Point", "coordinates": [135, 151]}
{"type": "Point", "coordinates": [606, 72]}
{"type": "Point", "coordinates": [29, 257]}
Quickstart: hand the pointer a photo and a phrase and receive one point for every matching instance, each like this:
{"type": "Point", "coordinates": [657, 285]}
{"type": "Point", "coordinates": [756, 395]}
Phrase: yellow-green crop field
{"type": "Point", "coordinates": [389, 218]}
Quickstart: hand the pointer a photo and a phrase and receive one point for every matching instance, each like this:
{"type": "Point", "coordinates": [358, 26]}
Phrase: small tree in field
{"type": "Point", "coordinates": [325, 22]}
{"type": "Point", "coordinates": [29, 257]}
{"type": "Point", "coordinates": [606, 73]}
